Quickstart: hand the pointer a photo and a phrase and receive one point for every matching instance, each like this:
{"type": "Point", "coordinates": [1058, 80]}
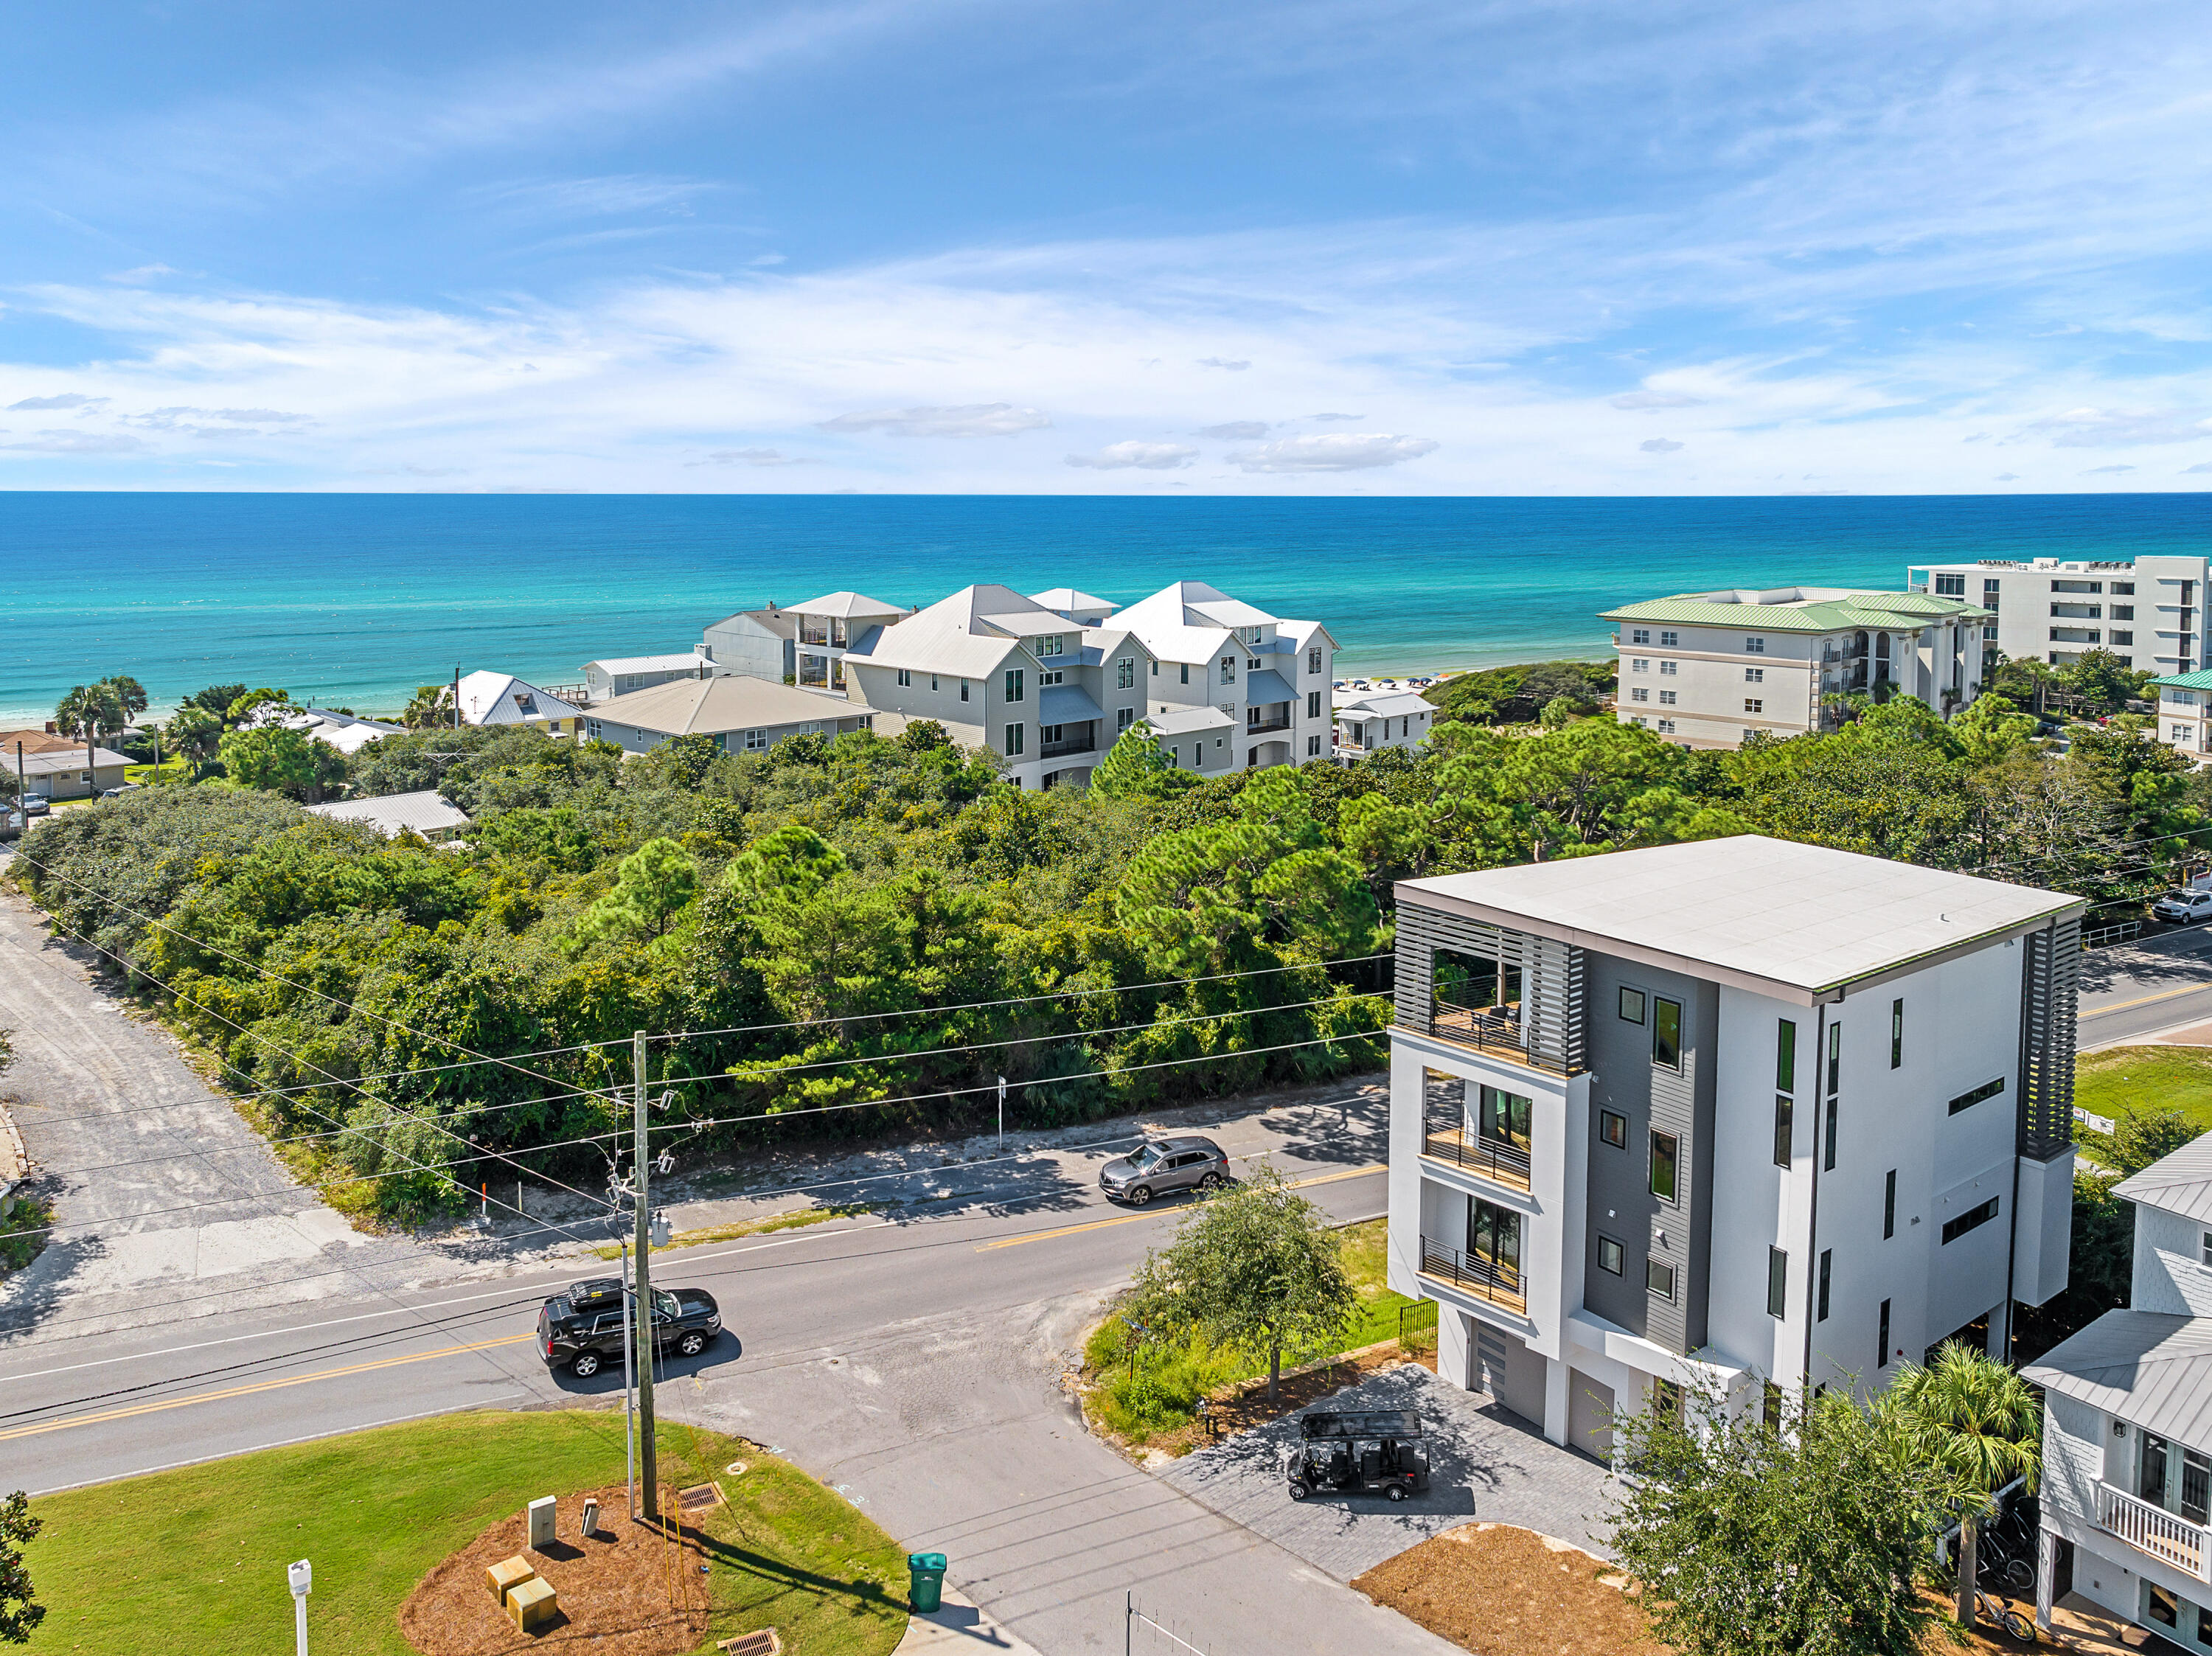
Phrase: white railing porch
{"type": "Point", "coordinates": [2164, 1535]}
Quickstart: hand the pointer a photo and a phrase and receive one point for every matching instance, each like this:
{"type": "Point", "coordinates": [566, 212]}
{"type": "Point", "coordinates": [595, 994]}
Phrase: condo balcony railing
{"type": "Point", "coordinates": [1493, 1159]}
{"type": "Point", "coordinates": [2167, 1537]}
{"type": "Point", "coordinates": [1281, 722]}
{"type": "Point", "coordinates": [1074, 745]}
{"type": "Point", "coordinates": [1493, 1029]}
{"type": "Point", "coordinates": [1495, 1280]}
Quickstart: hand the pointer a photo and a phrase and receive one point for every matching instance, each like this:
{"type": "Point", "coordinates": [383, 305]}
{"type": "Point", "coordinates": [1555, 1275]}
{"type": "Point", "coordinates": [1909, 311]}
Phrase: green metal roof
{"type": "Point", "coordinates": [1872, 609]}
{"type": "Point", "coordinates": [2196, 681]}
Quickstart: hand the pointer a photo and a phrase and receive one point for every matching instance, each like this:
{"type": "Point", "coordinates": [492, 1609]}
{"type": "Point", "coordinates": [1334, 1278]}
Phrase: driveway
{"type": "Point", "coordinates": [1484, 1463]}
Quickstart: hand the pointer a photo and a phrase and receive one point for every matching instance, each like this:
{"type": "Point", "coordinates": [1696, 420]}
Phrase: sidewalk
{"type": "Point", "coordinates": [955, 1628]}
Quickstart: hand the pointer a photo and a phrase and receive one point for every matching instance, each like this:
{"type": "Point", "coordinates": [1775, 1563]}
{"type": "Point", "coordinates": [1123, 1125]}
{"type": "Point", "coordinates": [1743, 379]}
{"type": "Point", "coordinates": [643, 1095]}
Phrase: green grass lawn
{"type": "Point", "coordinates": [170, 770]}
{"type": "Point", "coordinates": [2125, 1079]}
{"type": "Point", "coordinates": [194, 1559]}
{"type": "Point", "coordinates": [1160, 1397]}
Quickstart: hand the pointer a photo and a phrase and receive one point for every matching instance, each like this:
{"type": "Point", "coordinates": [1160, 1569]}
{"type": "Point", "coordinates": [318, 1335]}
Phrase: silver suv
{"type": "Point", "coordinates": [1159, 1165]}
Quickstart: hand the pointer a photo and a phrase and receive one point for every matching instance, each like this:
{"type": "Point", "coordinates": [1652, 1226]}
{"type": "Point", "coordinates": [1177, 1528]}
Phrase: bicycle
{"type": "Point", "coordinates": [2021, 1629]}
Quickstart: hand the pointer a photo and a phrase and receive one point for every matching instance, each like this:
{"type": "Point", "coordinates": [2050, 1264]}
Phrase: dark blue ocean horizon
{"type": "Point", "coordinates": [355, 599]}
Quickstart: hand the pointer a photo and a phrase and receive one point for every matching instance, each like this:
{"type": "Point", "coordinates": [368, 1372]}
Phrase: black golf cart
{"type": "Point", "coordinates": [1357, 1451]}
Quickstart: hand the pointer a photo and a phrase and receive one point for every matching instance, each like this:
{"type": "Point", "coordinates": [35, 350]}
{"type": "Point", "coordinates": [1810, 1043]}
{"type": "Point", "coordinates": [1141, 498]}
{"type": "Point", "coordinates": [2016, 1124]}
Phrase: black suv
{"type": "Point", "coordinates": [582, 1326]}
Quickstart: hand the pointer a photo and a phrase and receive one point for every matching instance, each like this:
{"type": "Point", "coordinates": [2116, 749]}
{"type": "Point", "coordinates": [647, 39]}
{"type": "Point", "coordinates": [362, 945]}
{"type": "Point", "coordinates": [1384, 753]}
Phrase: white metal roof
{"type": "Point", "coordinates": [1385, 704]}
{"type": "Point", "coordinates": [690, 662]}
{"type": "Point", "coordinates": [2149, 1368]}
{"type": "Point", "coordinates": [734, 702]}
{"type": "Point", "coordinates": [488, 698]}
{"type": "Point", "coordinates": [2181, 1183]}
{"type": "Point", "coordinates": [961, 634]}
{"type": "Point", "coordinates": [1805, 917]}
{"type": "Point", "coordinates": [1068, 598]}
{"type": "Point", "coordinates": [62, 760]}
{"type": "Point", "coordinates": [1189, 721]}
{"type": "Point", "coordinates": [424, 812]}
{"type": "Point", "coordinates": [846, 604]}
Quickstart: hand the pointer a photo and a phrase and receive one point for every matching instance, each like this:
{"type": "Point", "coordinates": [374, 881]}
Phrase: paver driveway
{"type": "Point", "coordinates": [1484, 1463]}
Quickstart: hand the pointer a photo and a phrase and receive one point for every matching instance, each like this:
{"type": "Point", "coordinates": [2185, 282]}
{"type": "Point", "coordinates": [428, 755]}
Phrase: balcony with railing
{"type": "Point", "coordinates": [1275, 717]}
{"type": "Point", "coordinates": [1482, 1130]}
{"type": "Point", "coordinates": [1071, 739]}
{"type": "Point", "coordinates": [2167, 1537]}
{"type": "Point", "coordinates": [1485, 1276]}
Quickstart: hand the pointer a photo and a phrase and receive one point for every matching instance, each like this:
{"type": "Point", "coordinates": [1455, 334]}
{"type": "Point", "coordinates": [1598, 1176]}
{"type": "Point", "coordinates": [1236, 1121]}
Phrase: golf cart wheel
{"type": "Point", "coordinates": [1298, 1490]}
{"type": "Point", "coordinates": [1395, 1492]}
{"type": "Point", "coordinates": [1212, 1181]}
{"type": "Point", "coordinates": [691, 1344]}
{"type": "Point", "coordinates": [585, 1365]}
{"type": "Point", "coordinates": [1138, 1195]}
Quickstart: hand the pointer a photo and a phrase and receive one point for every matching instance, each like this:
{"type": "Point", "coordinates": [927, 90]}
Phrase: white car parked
{"type": "Point", "coordinates": [2183, 907]}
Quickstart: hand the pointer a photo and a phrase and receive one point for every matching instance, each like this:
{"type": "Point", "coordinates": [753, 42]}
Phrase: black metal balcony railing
{"type": "Point", "coordinates": [1488, 1029]}
{"type": "Point", "coordinates": [1279, 724]}
{"type": "Point", "coordinates": [1493, 1279]}
{"type": "Point", "coordinates": [1505, 1163]}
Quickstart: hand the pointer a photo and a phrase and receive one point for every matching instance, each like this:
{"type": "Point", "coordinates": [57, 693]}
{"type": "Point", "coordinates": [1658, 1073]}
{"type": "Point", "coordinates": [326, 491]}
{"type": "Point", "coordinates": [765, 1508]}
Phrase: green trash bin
{"type": "Point", "coordinates": [925, 1581]}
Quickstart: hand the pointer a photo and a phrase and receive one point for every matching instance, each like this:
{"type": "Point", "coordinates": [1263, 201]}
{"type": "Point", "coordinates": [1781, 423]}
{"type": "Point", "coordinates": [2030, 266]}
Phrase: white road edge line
{"type": "Point", "coordinates": [282, 1443]}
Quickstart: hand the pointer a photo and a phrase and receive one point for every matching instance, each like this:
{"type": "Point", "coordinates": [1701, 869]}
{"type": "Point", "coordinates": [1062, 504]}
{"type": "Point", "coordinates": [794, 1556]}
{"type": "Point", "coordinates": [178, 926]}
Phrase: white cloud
{"type": "Point", "coordinates": [143, 273]}
{"type": "Point", "coordinates": [1151, 457]}
{"type": "Point", "coordinates": [66, 400]}
{"type": "Point", "coordinates": [2201, 465]}
{"type": "Point", "coordinates": [1655, 399]}
{"type": "Point", "coordinates": [753, 457]}
{"type": "Point", "coordinates": [2094, 428]}
{"type": "Point", "coordinates": [2008, 476]}
{"type": "Point", "coordinates": [1336, 416]}
{"type": "Point", "coordinates": [1334, 451]}
{"type": "Point", "coordinates": [2096, 471]}
{"type": "Point", "coordinates": [77, 442]}
{"type": "Point", "coordinates": [1233, 365]}
{"type": "Point", "coordinates": [1235, 431]}
{"type": "Point", "coordinates": [967, 420]}
{"type": "Point", "coordinates": [1659, 446]}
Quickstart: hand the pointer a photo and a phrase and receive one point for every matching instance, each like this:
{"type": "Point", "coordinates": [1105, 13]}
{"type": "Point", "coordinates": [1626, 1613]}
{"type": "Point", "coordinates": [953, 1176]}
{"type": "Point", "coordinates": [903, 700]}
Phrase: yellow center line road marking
{"type": "Point", "coordinates": [1132, 1218]}
{"type": "Point", "coordinates": [2186, 989]}
{"type": "Point", "coordinates": [259, 1386]}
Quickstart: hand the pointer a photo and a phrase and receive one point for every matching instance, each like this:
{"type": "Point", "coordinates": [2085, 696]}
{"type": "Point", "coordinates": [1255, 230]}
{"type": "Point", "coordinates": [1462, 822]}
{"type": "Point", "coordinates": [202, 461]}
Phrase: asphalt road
{"type": "Point", "coordinates": [2146, 988]}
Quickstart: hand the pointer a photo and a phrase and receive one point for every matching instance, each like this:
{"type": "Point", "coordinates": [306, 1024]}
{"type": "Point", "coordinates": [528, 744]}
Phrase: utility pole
{"type": "Point", "coordinates": [456, 697]}
{"type": "Point", "coordinates": [648, 1462]}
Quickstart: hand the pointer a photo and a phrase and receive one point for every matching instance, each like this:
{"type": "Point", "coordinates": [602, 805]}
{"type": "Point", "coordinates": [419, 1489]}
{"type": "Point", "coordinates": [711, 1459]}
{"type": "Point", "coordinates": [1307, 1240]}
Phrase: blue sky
{"type": "Point", "coordinates": [1496, 246]}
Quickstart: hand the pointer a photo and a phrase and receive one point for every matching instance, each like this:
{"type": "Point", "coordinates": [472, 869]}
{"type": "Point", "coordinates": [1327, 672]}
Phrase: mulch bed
{"type": "Point", "coordinates": [614, 1588]}
{"type": "Point", "coordinates": [1504, 1592]}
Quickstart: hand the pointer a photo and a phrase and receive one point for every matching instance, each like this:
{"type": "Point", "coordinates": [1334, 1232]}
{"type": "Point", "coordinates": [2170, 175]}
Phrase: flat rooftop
{"type": "Point", "coordinates": [1789, 916]}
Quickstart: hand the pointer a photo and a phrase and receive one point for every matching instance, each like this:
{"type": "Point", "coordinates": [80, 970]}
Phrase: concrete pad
{"type": "Point", "coordinates": [1484, 1463]}
{"type": "Point", "coordinates": [956, 1625]}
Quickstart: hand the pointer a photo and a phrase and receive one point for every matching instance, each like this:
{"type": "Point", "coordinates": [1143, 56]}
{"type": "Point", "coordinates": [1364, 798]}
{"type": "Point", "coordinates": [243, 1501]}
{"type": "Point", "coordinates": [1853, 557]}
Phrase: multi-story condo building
{"type": "Point", "coordinates": [2126, 1499]}
{"type": "Point", "coordinates": [2146, 611]}
{"type": "Point", "coordinates": [1740, 1113]}
{"type": "Point", "coordinates": [1050, 686]}
{"type": "Point", "coordinates": [2185, 713]}
{"type": "Point", "coordinates": [1710, 670]}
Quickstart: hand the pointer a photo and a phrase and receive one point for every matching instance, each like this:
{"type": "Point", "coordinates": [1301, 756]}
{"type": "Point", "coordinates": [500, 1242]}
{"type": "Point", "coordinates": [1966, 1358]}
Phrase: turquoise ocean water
{"type": "Point", "coordinates": [355, 599]}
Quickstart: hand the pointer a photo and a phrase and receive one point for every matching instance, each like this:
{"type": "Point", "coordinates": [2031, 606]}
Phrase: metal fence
{"type": "Point", "coordinates": [1145, 1635]}
{"type": "Point", "coordinates": [1417, 1329]}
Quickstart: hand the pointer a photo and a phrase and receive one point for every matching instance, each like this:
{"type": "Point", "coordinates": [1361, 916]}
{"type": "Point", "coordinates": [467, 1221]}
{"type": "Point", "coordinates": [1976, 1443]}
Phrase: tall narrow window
{"type": "Point", "coordinates": [1186, 672]}
{"type": "Point", "coordinates": [1835, 1055]}
{"type": "Point", "coordinates": [1663, 1152]}
{"type": "Point", "coordinates": [1013, 684]}
{"type": "Point", "coordinates": [1827, 1262]}
{"type": "Point", "coordinates": [1897, 1035]}
{"type": "Point", "coordinates": [1828, 1149]}
{"type": "Point", "coordinates": [1667, 1033]}
{"type": "Point", "coordinates": [1882, 1340]}
{"type": "Point", "coordinates": [1889, 1205]}
{"type": "Point", "coordinates": [1785, 1056]}
{"type": "Point", "coordinates": [1782, 1111]}
{"type": "Point", "coordinates": [1772, 1412]}
{"type": "Point", "coordinates": [1777, 1282]}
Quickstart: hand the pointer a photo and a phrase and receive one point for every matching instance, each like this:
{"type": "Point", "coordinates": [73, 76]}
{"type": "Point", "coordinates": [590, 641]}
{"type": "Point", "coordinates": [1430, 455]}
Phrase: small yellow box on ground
{"type": "Point", "coordinates": [533, 1604]}
{"type": "Point", "coordinates": [507, 1575]}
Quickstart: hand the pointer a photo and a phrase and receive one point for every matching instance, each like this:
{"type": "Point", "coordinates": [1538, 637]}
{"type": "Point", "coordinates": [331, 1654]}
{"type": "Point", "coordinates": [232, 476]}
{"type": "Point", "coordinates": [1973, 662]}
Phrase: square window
{"type": "Point", "coordinates": [1667, 698]}
{"type": "Point", "coordinates": [1123, 718]}
{"type": "Point", "coordinates": [1668, 641]}
{"type": "Point", "coordinates": [1659, 1278]}
{"type": "Point", "coordinates": [1667, 1033]}
{"type": "Point", "coordinates": [1754, 646]}
{"type": "Point", "coordinates": [1631, 1005]}
{"type": "Point", "coordinates": [1639, 665]}
{"type": "Point", "coordinates": [1664, 1153]}
{"type": "Point", "coordinates": [1753, 704]}
{"type": "Point", "coordinates": [1639, 694]}
{"type": "Point", "coordinates": [1612, 1128]}
{"type": "Point", "coordinates": [905, 677]}
{"type": "Point", "coordinates": [1611, 1255]}
{"type": "Point", "coordinates": [1666, 727]}
{"type": "Point", "coordinates": [1669, 669]}
{"type": "Point", "coordinates": [1641, 635]}
{"type": "Point", "coordinates": [1754, 675]}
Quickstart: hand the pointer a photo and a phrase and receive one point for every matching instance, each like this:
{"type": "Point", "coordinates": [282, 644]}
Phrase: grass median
{"type": "Point", "coordinates": [194, 1559]}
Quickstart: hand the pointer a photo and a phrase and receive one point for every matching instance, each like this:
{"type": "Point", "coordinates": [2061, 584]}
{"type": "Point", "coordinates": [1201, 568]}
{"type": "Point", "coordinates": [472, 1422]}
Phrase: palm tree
{"type": "Point", "coordinates": [195, 734]}
{"type": "Point", "coordinates": [1975, 1418]}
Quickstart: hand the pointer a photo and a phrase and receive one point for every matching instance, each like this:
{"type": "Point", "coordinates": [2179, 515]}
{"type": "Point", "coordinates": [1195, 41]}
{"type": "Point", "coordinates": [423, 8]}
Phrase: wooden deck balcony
{"type": "Point", "coordinates": [1501, 1163]}
{"type": "Point", "coordinates": [2166, 1537]}
{"type": "Point", "coordinates": [1493, 1280]}
{"type": "Point", "coordinates": [1495, 1030]}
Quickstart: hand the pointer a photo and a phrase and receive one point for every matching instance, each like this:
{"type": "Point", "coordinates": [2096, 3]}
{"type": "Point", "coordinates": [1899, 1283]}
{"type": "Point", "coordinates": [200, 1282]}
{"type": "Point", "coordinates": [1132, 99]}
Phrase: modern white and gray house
{"type": "Point", "coordinates": [1711, 669]}
{"type": "Point", "coordinates": [1368, 721]}
{"type": "Point", "coordinates": [2126, 1498]}
{"type": "Point", "coordinates": [1050, 686]}
{"type": "Point", "coordinates": [1741, 1114]}
{"type": "Point", "coordinates": [2147, 610]}
{"type": "Point", "coordinates": [743, 715]}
